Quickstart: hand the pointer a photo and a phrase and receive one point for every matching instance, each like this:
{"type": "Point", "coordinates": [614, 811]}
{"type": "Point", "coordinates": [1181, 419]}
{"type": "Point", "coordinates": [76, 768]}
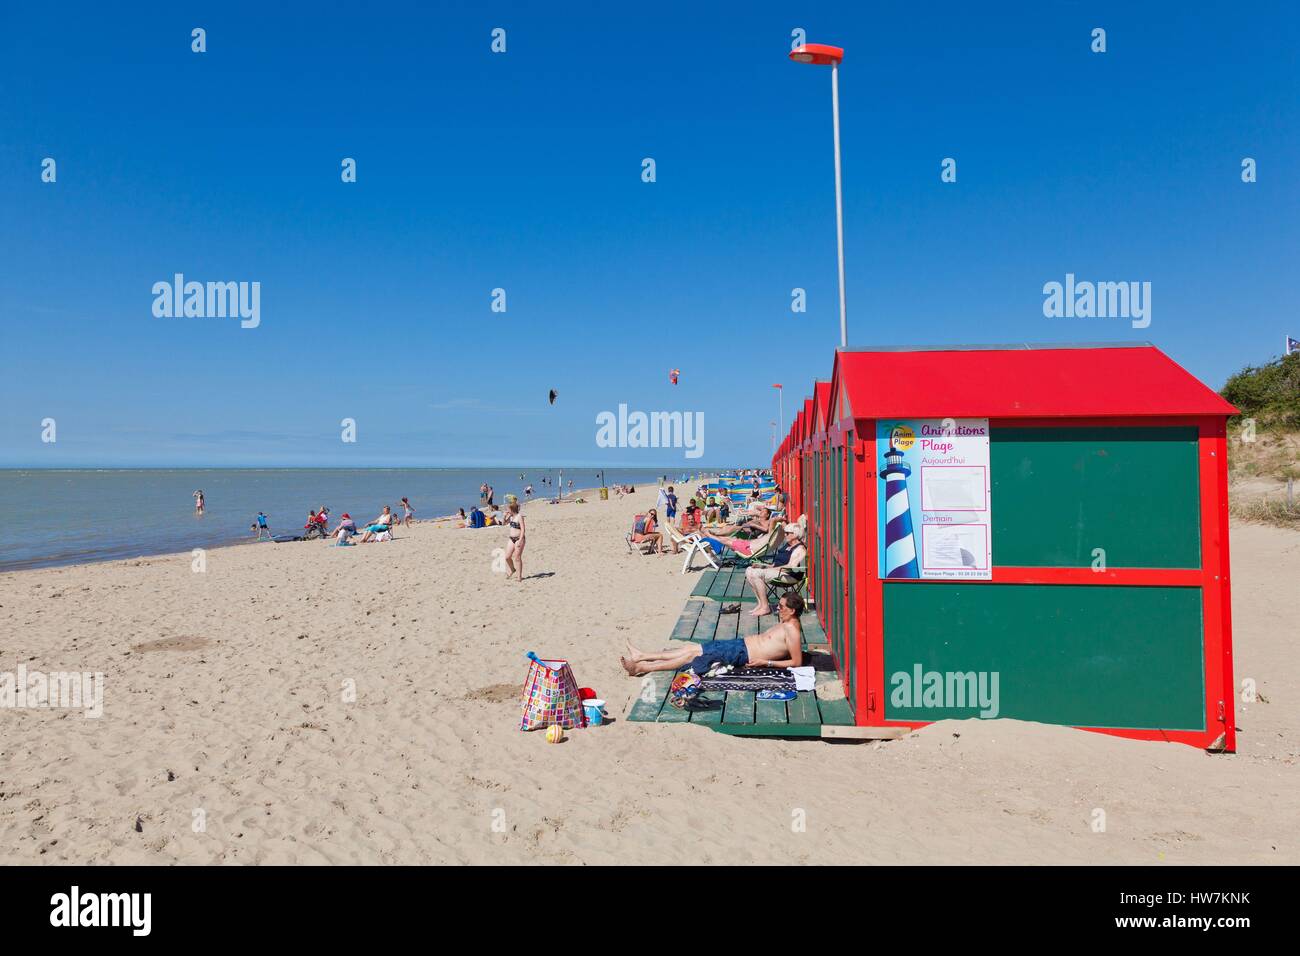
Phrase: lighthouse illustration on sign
{"type": "Point", "coordinates": [900, 545]}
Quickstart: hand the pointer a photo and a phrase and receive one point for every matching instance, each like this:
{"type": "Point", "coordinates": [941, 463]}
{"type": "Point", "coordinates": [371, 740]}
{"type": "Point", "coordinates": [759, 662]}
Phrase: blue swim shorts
{"type": "Point", "coordinates": [731, 652]}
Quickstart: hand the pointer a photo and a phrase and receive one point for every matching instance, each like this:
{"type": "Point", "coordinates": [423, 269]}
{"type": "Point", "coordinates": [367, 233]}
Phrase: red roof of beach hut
{"type": "Point", "coordinates": [821, 399]}
{"type": "Point", "coordinates": [1020, 381]}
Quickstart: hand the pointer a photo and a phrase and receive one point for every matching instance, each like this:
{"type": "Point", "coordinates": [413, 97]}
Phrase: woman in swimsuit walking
{"type": "Point", "coordinates": [515, 547]}
{"type": "Point", "coordinates": [198, 502]}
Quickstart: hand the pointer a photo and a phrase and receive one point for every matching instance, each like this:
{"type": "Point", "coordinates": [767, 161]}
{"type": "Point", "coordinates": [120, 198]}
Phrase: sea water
{"type": "Point", "coordinates": [56, 516]}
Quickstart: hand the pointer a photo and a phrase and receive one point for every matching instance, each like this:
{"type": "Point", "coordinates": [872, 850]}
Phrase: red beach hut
{"type": "Point", "coordinates": [1033, 532]}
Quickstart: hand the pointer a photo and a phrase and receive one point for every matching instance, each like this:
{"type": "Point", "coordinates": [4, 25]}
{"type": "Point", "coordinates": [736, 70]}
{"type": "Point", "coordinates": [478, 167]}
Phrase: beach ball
{"type": "Point", "coordinates": [554, 734]}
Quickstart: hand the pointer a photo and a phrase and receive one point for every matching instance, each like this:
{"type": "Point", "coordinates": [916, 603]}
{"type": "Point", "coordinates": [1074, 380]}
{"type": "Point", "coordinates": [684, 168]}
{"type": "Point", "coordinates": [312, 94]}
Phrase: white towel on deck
{"type": "Point", "coordinates": [804, 678]}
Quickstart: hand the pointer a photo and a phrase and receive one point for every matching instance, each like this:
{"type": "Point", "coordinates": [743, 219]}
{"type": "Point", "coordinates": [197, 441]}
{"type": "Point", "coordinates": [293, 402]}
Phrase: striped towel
{"type": "Point", "coordinates": [751, 678]}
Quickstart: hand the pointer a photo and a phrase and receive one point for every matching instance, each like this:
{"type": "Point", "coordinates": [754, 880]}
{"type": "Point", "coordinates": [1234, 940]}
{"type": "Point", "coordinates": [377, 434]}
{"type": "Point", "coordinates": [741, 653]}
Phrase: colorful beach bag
{"type": "Point", "coordinates": [551, 696]}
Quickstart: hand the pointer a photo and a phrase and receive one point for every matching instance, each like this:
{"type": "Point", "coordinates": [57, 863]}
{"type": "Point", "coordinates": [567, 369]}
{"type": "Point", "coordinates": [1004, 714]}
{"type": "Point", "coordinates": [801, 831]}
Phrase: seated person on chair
{"type": "Point", "coordinates": [787, 559]}
{"type": "Point", "coordinates": [650, 534]}
{"type": "Point", "coordinates": [781, 645]}
{"type": "Point", "coordinates": [742, 544]}
{"type": "Point", "coordinates": [759, 523]}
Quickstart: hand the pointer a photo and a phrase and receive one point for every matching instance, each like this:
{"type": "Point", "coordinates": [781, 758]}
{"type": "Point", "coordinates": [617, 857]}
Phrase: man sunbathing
{"type": "Point", "coordinates": [741, 545]}
{"type": "Point", "coordinates": [759, 523]}
{"type": "Point", "coordinates": [781, 645]}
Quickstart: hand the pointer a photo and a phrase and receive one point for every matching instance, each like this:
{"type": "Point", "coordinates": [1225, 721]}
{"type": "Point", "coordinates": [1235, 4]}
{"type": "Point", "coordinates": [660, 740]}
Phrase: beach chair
{"type": "Point", "coordinates": [694, 544]}
{"type": "Point", "coordinates": [770, 544]}
{"type": "Point", "coordinates": [638, 525]}
{"type": "Point", "coordinates": [790, 579]}
{"type": "Point", "coordinates": [775, 538]}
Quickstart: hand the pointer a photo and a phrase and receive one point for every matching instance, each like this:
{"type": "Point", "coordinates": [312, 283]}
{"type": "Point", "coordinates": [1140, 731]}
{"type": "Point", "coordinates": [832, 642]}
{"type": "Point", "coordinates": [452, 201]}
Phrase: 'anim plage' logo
{"type": "Point", "coordinates": [902, 437]}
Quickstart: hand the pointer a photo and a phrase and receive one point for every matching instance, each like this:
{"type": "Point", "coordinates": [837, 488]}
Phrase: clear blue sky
{"type": "Point", "coordinates": [523, 170]}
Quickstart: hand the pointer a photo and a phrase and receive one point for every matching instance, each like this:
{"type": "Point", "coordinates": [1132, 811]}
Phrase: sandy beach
{"type": "Point", "coordinates": [224, 703]}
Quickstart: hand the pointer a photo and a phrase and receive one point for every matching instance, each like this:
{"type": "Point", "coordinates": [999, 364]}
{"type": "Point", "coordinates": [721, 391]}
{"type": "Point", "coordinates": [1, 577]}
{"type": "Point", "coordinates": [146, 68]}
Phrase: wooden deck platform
{"type": "Point", "coordinates": [725, 584]}
{"type": "Point", "coordinates": [823, 712]}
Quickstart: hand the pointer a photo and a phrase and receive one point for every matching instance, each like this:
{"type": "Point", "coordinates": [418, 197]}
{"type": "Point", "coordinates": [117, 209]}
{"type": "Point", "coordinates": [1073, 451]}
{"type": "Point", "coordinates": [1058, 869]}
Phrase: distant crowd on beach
{"type": "Point", "coordinates": [347, 531]}
{"type": "Point", "coordinates": [380, 528]}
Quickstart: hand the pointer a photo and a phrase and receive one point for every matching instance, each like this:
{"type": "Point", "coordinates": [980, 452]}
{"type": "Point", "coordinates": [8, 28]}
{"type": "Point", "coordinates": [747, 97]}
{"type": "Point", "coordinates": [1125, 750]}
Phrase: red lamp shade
{"type": "Point", "coordinates": [817, 53]}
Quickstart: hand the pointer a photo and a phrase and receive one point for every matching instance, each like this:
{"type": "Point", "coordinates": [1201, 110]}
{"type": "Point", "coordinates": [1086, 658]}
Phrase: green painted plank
{"type": "Point", "coordinates": [812, 629]}
{"type": "Point", "coordinates": [718, 589]}
{"type": "Point", "coordinates": [749, 625]}
{"type": "Point", "coordinates": [837, 712]}
{"type": "Point", "coordinates": [728, 625]}
{"type": "Point", "coordinates": [736, 587]}
{"type": "Point", "coordinates": [708, 622]}
{"type": "Point", "coordinates": [803, 709]}
{"type": "Point", "coordinates": [770, 712]}
{"type": "Point", "coordinates": [705, 582]}
{"type": "Point", "coordinates": [708, 708]}
{"type": "Point", "coordinates": [673, 715]}
{"type": "Point", "coordinates": [770, 730]}
{"type": "Point", "coordinates": [649, 702]}
{"type": "Point", "coordinates": [739, 708]}
{"type": "Point", "coordinates": [686, 623]}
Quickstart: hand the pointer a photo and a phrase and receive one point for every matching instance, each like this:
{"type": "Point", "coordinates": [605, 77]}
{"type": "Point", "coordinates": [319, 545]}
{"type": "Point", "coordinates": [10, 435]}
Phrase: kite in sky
{"type": "Point", "coordinates": [554, 393]}
{"type": "Point", "coordinates": [672, 376]}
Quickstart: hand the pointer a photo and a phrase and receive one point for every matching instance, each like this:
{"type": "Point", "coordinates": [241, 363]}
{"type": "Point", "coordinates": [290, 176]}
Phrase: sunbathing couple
{"type": "Point", "coordinates": [381, 525]}
{"type": "Point", "coordinates": [781, 645]}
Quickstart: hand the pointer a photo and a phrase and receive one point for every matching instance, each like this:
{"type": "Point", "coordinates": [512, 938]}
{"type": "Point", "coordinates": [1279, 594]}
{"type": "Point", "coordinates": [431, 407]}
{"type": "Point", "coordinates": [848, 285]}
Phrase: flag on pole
{"type": "Point", "coordinates": [778, 386]}
{"type": "Point", "coordinates": [1292, 345]}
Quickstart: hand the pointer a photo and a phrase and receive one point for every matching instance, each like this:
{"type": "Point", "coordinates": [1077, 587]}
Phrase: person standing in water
{"type": "Point", "coordinates": [198, 502]}
{"type": "Point", "coordinates": [515, 546]}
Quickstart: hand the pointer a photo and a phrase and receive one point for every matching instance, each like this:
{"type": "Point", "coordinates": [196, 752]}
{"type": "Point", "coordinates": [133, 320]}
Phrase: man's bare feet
{"type": "Point", "coordinates": [629, 666]}
{"type": "Point", "coordinates": [760, 611]}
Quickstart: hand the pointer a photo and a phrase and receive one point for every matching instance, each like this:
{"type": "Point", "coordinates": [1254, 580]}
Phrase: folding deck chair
{"type": "Point", "coordinates": [694, 544]}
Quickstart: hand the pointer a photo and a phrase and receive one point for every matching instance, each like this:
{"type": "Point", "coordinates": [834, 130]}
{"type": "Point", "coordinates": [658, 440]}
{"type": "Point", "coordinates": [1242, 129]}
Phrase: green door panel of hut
{"type": "Point", "coordinates": [819, 549]}
{"type": "Point", "coordinates": [850, 566]}
{"type": "Point", "coordinates": [1081, 655]}
{"type": "Point", "coordinates": [837, 524]}
{"type": "Point", "coordinates": [1067, 497]}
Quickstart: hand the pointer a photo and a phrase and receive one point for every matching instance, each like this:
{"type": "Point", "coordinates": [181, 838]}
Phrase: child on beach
{"type": "Point", "coordinates": [409, 519]}
{"type": "Point", "coordinates": [198, 502]}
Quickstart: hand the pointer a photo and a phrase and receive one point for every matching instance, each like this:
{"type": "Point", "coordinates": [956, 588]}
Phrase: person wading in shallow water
{"type": "Point", "coordinates": [198, 502]}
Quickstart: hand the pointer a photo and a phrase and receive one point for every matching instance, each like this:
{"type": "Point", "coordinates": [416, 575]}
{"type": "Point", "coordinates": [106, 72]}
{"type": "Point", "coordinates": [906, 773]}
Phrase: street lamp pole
{"type": "Point", "coordinates": [839, 201]}
{"type": "Point", "coordinates": [822, 55]}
